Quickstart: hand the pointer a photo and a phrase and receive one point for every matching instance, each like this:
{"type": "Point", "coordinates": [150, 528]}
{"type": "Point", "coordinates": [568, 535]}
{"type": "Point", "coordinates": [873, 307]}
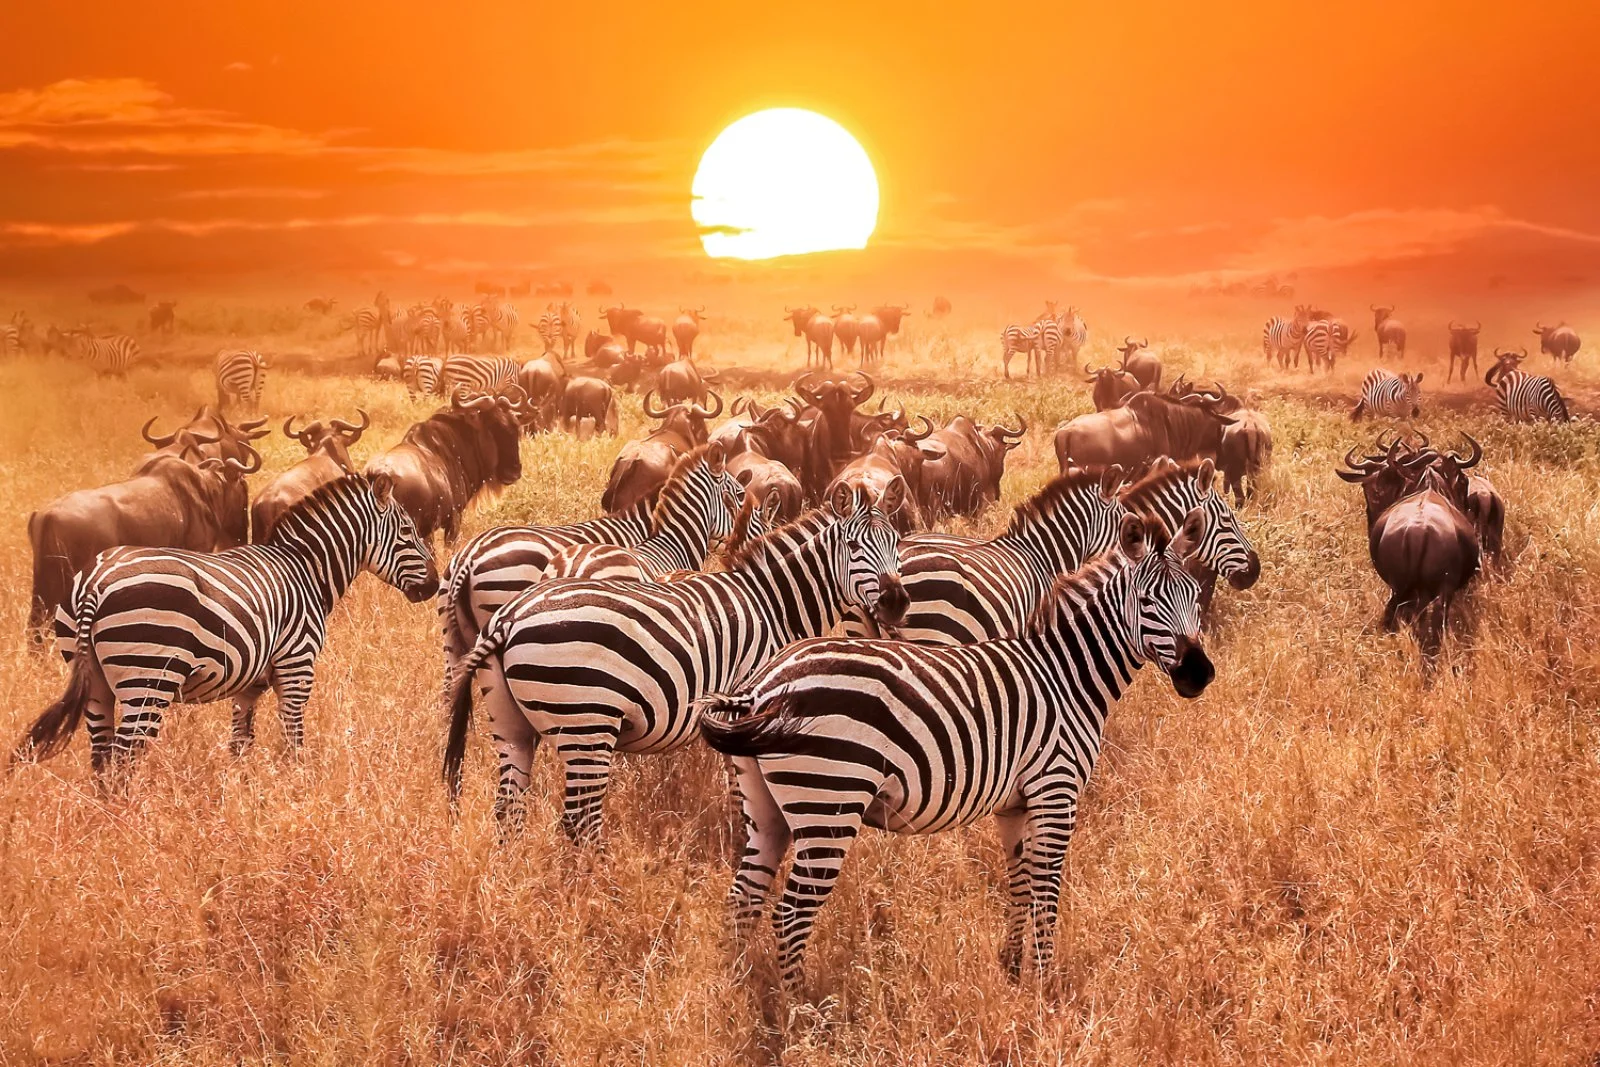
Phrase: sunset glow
{"type": "Point", "coordinates": [784, 182]}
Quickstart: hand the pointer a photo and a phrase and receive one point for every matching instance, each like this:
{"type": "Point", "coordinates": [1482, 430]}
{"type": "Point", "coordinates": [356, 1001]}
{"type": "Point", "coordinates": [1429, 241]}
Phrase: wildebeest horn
{"type": "Point", "coordinates": [1363, 465]}
{"type": "Point", "coordinates": [253, 430]}
{"type": "Point", "coordinates": [1538, 327]}
{"type": "Point", "coordinates": [289, 431]}
{"type": "Point", "coordinates": [1477, 453]}
{"type": "Point", "coordinates": [1127, 341]}
{"type": "Point", "coordinates": [354, 431]}
{"type": "Point", "coordinates": [1019, 432]}
{"type": "Point", "coordinates": [1452, 327]}
{"type": "Point", "coordinates": [738, 405]}
{"type": "Point", "coordinates": [1090, 374]}
{"type": "Point", "coordinates": [700, 409]}
{"type": "Point", "coordinates": [927, 432]}
{"type": "Point", "coordinates": [862, 395]}
{"type": "Point", "coordinates": [234, 465]}
{"type": "Point", "coordinates": [795, 408]}
{"type": "Point", "coordinates": [159, 442]}
{"type": "Point", "coordinates": [650, 411]}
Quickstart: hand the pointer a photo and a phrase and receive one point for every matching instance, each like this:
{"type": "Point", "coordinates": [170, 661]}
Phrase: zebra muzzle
{"type": "Point", "coordinates": [1193, 672]}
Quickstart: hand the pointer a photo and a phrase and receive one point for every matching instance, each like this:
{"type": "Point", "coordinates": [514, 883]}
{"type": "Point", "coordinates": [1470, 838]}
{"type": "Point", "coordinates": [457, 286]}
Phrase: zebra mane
{"type": "Point", "coordinates": [1045, 501]}
{"type": "Point", "coordinates": [1152, 482]}
{"type": "Point", "coordinates": [294, 517]}
{"type": "Point", "coordinates": [1073, 591]}
{"type": "Point", "coordinates": [674, 484]}
{"type": "Point", "coordinates": [768, 543]}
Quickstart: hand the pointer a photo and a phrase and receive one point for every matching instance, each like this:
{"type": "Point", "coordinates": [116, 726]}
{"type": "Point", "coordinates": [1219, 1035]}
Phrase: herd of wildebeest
{"type": "Point", "coordinates": [182, 583]}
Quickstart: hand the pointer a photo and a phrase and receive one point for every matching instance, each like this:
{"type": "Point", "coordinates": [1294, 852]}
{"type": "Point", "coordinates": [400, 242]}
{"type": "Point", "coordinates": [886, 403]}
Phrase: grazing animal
{"type": "Point", "coordinates": [833, 735]}
{"type": "Point", "coordinates": [771, 482]}
{"type": "Point", "coordinates": [801, 319]}
{"type": "Point", "coordinates": [571, 326]}
{"type": "Point", "coordinates": [1487, 510]}
{"type": "Point", "coordinates": [894, 456]}
{"type": "Point", "coordinates": [1112, 386]}
{"type": "Point", "coordinates": [830, 440]}
{"type": "Point", "coordinates": [1145, 366]}
{"type": "Point", "coordinates": [1524, 397]}
{"type": "Point", "coordinates": [1245, 451]}
{"type": "Point", "coordinates": [1014, 339]}
{"type": "Point", "coordinates": [478, 374]}
{"type": "Point", "coordinates": [1558, 342]}
{"type": "Point", "coordinates": [1388, 330]}
{"type": "Point", "coordinates": [163, 317]}
{"type": "Point", "coordinates": [498, 322]}
{"type": "Point", "coordinates": [682, 382]}
{"type": "Point", "coordinates": [598, 667]}
{"type": "Point", "coordinates": [241, 376]}
{"type": "Point", "coordinates": [113, 355]}
{"type": "Point", "coordinates": [158, 626]}
{"type": "Point", "coordinates": [643, 466]}
{"type": "Point", "coordinates": [588, 398]}
{"type": "Point", "coordinates": [423, 376]}
{"type": "Point", "coordinates": [966, 478]}
{"type": "Point", "coordinates": [1282, 337]}
{"type": "Point", "coordinates": [550, 328]}
{"type": "Point", "coordinates": [327, 460]}
{"type": "Point", "coordinates": [543, 380]}
{"type": "Point", "coordinates": [1326, 340]}
{"type": "Point", "coordinates": [846, 328]}
{"type": "Point", "coordinates": [445, 461]}
{"type": "Point", "coordinates": [1463, 347]}
{"type": "Point", "coordinates": [369, 323]}
{"type": "Point", "coordinates": [1146, 426]}
{"type": "Point", "coordinates": [1389, 396]}
{"type": "Point", "coordinates": [941, 307]}
{"type": "Point", "coordinates": [320, 305]}
{"type": "Point", "coordinates": [685, 328]}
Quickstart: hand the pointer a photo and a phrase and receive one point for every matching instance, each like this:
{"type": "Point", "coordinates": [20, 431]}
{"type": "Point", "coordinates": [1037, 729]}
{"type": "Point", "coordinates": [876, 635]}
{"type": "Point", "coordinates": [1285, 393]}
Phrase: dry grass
{"type": "Point", "coordinates": [1318, 861]}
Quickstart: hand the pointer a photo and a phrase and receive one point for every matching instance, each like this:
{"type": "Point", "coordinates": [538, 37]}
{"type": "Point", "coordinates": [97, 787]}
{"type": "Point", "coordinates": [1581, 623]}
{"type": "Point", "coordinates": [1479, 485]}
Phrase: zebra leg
{"type": "Point", "coordinates": [244, 719]}
{"type": "Point", "coordinates": [586, 759]}
{"type": "Point", "coordinates": [767, 840]}
{"type": "Point", "coordinates": [100, 714]}
{"type": "Point", "coordinates": [1013, 838]}
{"type": "Point", "coordinates": [821, 845]}
{"type": "Point", "coordinates": [1049, 831]}
{"type": "Point", "coordinates": [292, 682]}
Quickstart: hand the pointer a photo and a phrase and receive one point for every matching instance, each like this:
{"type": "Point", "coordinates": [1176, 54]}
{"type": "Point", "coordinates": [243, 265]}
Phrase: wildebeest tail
{"type": "Point", "coordinates": [732, 725]}
{"type": "Point", "coordinates": [54, 727]}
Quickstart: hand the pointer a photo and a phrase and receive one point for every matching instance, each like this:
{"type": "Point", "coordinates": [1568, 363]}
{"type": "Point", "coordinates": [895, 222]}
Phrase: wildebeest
{"type": "Point", "coordinates": [1245, 451]}
{"type": "Point", "coordinates": [636, 327]}
{"type": "Point", "coordinates": [642, 467]}
{"type": "Point", "coordinates": [587, 398]}
{"type": "Point", "coordinates": [1559, 341]}
{"type": "Point", "coordinates": [681, 380]}
{"type": "Point", "coordinates": [779, 433]}
{"type": "Point", "coordinates": [176, 498]}
{"type": "Point", "coordinates": [893, 457]}
{"type": "Point", "coordinates": [686, 327]}
{"type": "Point", "coordinates": [1388, 329]}
{"type": "Point", "coordinates": [327, 460]}
{"type": "Point", "coordinates": [1144, 365]}
{"type": "Point", "coordinates": [1146, 426]}
{"type": "Point", "coordinates": [829, 442]}
{"type": "Point", "coordinates": [941, 307]}
{"type": "Point", "coordinates": [875, 327]}
{"type": "Point", "coordinates": [321, 305]}
{"type": "Point", "coordinates": [846, 327]}
{"type": "Point", "coordinates": [1463, 347]}
{"type": "Point", "coordinates": [210, 435]}
{"type": "Point", "coordinates": [163, 317]}
{"type": "Point", "coordinates": [817, 329]}
{"type": "Point", "coordinates": [770, 482]}
{"type": "Point", "coordinates": [543, 380]}
{"type": "Point", "coordinates": [1112, 386]}
{"type": "Point", "coordinates": [445, 461]}
{"type": "Point", "coordinates": [1487, 510]}
{"type": "Point", "coordinates": [966, 478]}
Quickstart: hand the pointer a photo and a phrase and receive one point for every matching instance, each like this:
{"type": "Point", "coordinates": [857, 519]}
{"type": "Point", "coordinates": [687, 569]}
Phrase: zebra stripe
{"type": "Point", "coordinates": [241, 375]}
{"type": "Point", "coordinates": [479, 375]}
{"type": "Point", "coordinates": [424, 329]}
{"type": "Point", "coordinates": [1051, 335]}
{"type": "Point", "coordinates": [1281, 337]}
{"type": "Point", "coordinates": [498, 320]}
{"type": "Point", "coordinates": [1015, 339]}
{"type": "Point", "coordinates": [369, 322]}
{"type": "Point", "coordinates": [1525, 397]}
{"type": "Point", "coordinates": [1326, 339]}
{"type": "Point", "coordinates": [10, 339]}
{"type": "Point", "coordinates": [571, 326]}
{"type": "Point", "coordinates": [963, 590]}
{"type": "Point", "coordinates": [114, 354]}
{"type": "Point", "coordinates": [836, 734]}
{"type": "Point", "coordinates": [1388, 395]}
{"type": "Point", "coordinates": [550, 329]}
{"type": "Point", "coordinates": [161, 626]}
{"type": "Point", "coordinates": [598, 667]}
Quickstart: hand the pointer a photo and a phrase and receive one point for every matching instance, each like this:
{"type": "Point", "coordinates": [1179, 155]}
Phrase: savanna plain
{"type": "Point", "coordinates": [1321, 860]}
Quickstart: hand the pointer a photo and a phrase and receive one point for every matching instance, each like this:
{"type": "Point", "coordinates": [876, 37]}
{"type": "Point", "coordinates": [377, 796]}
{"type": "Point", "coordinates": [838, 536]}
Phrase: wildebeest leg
{"type": "Point", "coordinates": [244, 719]}
{"type": "Point", "coordinates": [1391, 611]}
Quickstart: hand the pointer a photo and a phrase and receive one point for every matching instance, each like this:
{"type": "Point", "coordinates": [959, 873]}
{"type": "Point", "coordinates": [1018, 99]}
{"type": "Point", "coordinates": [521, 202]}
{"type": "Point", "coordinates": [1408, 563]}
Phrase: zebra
{"type": "Point", "coordinates": [1015, 339]}
{"type": "Point", "coordinates": [1524, 397]}
{"type": "Point", "coordinates": [835, 734]}
{"type": "Point", "coordinates": [550, 329]}
{"type": "Point", "coordinates": [10, 339]}
{"type": "Point", "coordinates": [480, 375]}
{"type": "Point", "coordinates": [114, 354]}
{"type": "Point", "coordinates": [602, 666]}
{"type": "Point", "coordinates": [500, 320]}
{"type": "Point", "coordinates": [1074, 334]}
{"type": "Point", "coordinates": [571, 327]}
{"type": "Point", "coordinates": [964, 590]}
{"type": "Point", "coordinates": [1389, 396]}
{"type": "Point", "coordinates": [159, 626]}
{"type": "Point", "coordinates": [241, 375]}
{"type": "Point", "coordinates": [369, 322]}
{"type": "Point", "coordinates": [698, 505]}
{"type": "Point", "coordinates": [1282, 336]}
{"type": "Point", "coordinates": [1326, 339]}
{"type": "Point", "coordinates": [1051, 333]}
{"type": "Point", "coordinates": [424, 330]}
{"type": "Point", "coordinates": [422, 375]}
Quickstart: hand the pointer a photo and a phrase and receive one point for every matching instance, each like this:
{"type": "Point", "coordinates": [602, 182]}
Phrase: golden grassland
{"type": "Point", "coordinates": [1320, 860]}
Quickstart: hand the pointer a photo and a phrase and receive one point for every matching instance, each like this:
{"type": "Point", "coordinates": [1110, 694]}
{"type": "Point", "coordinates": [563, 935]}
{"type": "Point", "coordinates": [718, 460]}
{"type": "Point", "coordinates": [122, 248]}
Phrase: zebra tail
{"type": "Point", "coordinates": [460, 701]}
{"type": "Point", "coordinates": [52, 730]}
{"type": "Point", "coordinates": [731, 725]}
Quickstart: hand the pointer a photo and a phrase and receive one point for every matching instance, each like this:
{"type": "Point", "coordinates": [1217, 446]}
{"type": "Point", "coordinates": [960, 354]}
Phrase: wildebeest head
{"type": "Point", "coordinates": [890, 315]}
{"type": "Point", "coordinates": [1505, 361]}
{"type": "Point", "coordinates": [1111, 385]}
{"type": "Point", "coordinates": [1380, 314]}
{"type": "Point", "coordinates": [799, 318]}
{"type": "Point", "coordinates": [334, 439]}
{"type": "Point", "coordinates": [619, 318]}
{"type": "Point", "coordinates": [1387, 475]}
{"type": "Point", "coordinates": [1464, 338]}
{"type": "Point", "coordinates": [1129, 346]}
{"type": "Point", "coordinates": [500, 430]}
{"type": "Point", "coordinates": [686, 420]}
{"type": "Point", "coordinates": [1164, 615]}
{"type": "Point", "coordinates": [234, 513]}
{"type": "Point", "coordinates": [835, 397]}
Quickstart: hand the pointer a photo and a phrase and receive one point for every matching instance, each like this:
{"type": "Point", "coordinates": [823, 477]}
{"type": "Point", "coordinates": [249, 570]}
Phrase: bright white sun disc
{"type": "Point", "coordinates": [784, 182]}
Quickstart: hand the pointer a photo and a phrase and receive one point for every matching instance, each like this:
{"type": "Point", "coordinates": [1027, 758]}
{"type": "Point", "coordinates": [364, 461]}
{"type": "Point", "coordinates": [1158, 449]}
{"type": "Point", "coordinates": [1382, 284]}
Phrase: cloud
{"type": "Point", "coordinates": [613, 158]}
{"type": "Point", "coordinates": [238, 66]}
{"type": "Point", "coordinates": [66, 233]}
{"type": "Point", "coordinates": [132, 115]}
{"type": "Point", "coordinates": [251, 193]}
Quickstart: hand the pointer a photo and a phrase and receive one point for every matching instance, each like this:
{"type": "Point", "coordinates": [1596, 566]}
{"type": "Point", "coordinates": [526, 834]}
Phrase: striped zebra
{"type": "Point", "coordinates": [369, 322]}
{"type": "Point", "coordinates": [1282, 337]}
{"type": "Point", "coordinates": [241, 375]}
{"type": "Point", "coordinates": [1075, 334]}
{"type": "Point", "coordinates": [498, 322]}
{"type": "Point", "coordinates": [598, 667]}
{"type": "Point", "coordinates": [1051, 333]}
{"type": "Point", "coordinates": [480, 375]}
{"type": "Point", "coordinates": [422, 376]}
{"type": "Point", "coordinates": [1326, 340]}
{"type": "Point", "coordinates": [698, 505]}
{"type": "Point", "coordinates": [113, 355]}
{"type": "Point", "coordinates": [833, 735]}
{"type": "Point", "coordinates": [550, 329]}
{"type": "Point", "coordinates": [1015, 339]}
{"type": "Point", "coordinates": [10, 339]}
{"type": "Point", "coordinates": [424, 330]}
{"type": "Point", "coordinates": [571, 328]}
{"type": "Point", "coordinates": [1524, 397]}
{"type": "Point", "coordinates": [160, 626]}
{"type": "Point", "coordinates": [964, 590]}
{"type": "Point", "coordinates": [1389, 396]}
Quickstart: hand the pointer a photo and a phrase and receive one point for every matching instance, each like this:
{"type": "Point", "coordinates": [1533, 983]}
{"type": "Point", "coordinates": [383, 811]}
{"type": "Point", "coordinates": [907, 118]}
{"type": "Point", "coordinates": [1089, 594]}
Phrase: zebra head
{"type": "Point", "coordinates": [1163, 607]}
{"type": "Point", "coordinates": [1224, 548]}
{"type": "Point", "coordinates": [866, 560]}
{"type": "Point", "coordinates": [395, 551]}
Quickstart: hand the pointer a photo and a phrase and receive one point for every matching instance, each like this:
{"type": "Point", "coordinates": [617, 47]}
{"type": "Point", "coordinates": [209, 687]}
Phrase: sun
{"type": "Point", "coordinates": [784, 182]}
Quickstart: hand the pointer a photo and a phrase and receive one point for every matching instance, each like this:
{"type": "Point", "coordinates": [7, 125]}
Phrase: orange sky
{"type": "Point", "coordinates": [1130, 144]}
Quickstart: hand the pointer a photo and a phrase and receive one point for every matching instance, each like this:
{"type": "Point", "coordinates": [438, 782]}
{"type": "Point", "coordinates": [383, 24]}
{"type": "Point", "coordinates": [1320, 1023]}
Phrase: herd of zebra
{"type": "Point", "coordinates": [1047, 341]}
{"type": "Point", "coordinates": [443, 326]}
{"type": "Point", "coordinates": [966, 677]}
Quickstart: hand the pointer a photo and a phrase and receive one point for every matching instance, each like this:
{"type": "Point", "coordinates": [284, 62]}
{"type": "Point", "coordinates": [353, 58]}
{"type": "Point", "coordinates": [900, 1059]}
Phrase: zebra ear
{"type": "Point", "coordinates": [1111, 481]}
{"type": "Point", "coordinates": [716, 457]}
{"type": "Point", "coordinates": [894, 497]}
{"type": "Point", "coordinates": [382, 490]}
{"type": "Point", "coordinates": [1419, 377]}
{"type": "Point", "coordinates": [1188, 539]}
{"type": "Point", "coordinates": [1205, 479]}
{"type": "Point", "coordinates": [843, 501]}
{"type": "Point", "coordinates": [1131, 539]}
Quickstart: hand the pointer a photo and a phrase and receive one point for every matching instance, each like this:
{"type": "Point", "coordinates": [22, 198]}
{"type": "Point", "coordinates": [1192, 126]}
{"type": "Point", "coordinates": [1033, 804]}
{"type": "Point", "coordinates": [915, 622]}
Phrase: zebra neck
{"type": "Point", "coordinates": [680, 544]}
{"type": "Point", "coordinates": [1163, 502]}
{"type": "Point", "coordinates": [330, 565]}
{"type": "Point", "coordinates": [1089, 644]}
{"type": "Point", "coordinates": [789, 577]}
{"type": "Point", "coordinates": [1055, 543]}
